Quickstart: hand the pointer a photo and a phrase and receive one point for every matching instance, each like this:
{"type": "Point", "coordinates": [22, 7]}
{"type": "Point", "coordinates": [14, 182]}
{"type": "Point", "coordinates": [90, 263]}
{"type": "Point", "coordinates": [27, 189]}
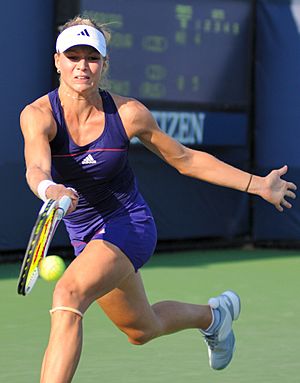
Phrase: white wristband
{"type": "Point", "coordinates": [42, 187]}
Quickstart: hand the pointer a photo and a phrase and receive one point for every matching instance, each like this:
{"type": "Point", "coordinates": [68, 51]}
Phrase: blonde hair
{"type": "Point", "coordinates": [78, 20]}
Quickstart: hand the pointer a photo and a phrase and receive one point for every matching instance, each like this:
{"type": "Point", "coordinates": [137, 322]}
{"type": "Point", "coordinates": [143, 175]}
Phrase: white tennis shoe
{"type": "Point", "coordinates": [219, 337]}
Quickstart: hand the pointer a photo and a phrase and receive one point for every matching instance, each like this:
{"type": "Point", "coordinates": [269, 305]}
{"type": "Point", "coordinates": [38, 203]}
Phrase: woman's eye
{"type": "Point", "coordinates": [73, 58]}
{"type": "Point", "coordinates": [94, 58]}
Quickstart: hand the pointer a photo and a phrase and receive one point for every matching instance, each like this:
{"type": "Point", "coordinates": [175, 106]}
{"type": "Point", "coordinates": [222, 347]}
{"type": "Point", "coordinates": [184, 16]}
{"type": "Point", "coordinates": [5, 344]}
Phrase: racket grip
{"type": "Point", "coordinates": [64, 204]}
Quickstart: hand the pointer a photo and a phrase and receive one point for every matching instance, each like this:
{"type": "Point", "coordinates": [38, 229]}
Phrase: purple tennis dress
{"type": "Point", "coordinates": [110, 206]}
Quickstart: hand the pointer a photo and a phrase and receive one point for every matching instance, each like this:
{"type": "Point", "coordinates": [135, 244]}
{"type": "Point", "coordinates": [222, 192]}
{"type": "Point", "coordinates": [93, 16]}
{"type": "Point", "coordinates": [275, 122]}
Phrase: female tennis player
{"type": "Point", "coordinates": [76, 144]}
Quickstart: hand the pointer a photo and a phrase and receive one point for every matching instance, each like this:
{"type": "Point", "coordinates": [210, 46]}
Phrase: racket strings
{"type": "Point", "coordinates": [40, 244]}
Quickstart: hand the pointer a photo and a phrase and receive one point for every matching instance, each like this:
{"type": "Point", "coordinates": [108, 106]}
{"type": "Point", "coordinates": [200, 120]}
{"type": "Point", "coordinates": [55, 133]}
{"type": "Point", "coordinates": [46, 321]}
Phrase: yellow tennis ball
{"type": "Point", "coordinates": [51, 268]}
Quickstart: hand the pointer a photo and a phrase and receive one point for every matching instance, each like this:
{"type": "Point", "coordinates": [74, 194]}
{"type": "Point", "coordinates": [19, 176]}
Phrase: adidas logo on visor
{"type": "Point", "coordinates": [84, 33]}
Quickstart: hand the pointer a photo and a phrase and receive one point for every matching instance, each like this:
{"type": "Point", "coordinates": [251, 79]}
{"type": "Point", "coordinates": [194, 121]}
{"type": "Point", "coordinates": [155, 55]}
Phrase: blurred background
{"type": "Point", "coordinates": [218, 75]}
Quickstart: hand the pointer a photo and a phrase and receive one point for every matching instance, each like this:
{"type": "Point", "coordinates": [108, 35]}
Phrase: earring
{"type": "Point", "coordinates": [58, 70]}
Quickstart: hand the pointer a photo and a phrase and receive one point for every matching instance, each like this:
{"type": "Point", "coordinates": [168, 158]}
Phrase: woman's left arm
{"type": "Point", "coordinates": [205, 167]}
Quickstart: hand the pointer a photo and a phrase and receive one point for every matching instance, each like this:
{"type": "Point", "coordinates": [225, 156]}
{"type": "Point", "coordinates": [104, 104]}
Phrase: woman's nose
{"type": "Point", "coordinates": [81, 65]}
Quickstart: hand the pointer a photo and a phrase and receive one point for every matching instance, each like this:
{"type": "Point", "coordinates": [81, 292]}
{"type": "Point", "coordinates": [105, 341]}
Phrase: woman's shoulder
{"type": "Point", "coordinates": [40, 106]}
{"type": "Point", "coordinates": [128, 106]}
{"type": "Point", "coordinates": [135, 116]}
{"type": "Point", "coordinates": [39, 110]}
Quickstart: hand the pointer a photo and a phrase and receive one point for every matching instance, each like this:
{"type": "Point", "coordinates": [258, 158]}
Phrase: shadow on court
{"type": "Point", "coordinates": [206, 257]}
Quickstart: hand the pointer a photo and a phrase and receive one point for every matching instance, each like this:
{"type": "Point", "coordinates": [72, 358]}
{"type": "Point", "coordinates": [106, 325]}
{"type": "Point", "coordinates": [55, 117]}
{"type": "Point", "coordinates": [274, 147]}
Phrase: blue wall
{"type": "Point", "coordinates": [183, 208]}
{"type": "Point", "coordinates": [277, 133]}
{"type": "Point", "coordinates": [27, 48]}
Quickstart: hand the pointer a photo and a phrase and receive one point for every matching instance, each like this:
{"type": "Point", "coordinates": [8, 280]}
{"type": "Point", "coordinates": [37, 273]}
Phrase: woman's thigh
{"type": "Point", "coordinates": [99, 269]}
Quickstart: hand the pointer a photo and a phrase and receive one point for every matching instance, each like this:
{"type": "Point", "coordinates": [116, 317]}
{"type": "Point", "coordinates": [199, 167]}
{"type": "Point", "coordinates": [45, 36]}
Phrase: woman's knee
{"type": "Point", "coordinates": [66, 293]}
{"type": "Point", "coordinates": [140, 337]}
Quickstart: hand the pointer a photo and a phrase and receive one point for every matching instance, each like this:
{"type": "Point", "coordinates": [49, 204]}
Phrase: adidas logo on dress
{"type": "Point", "coordinates": [88, 160]}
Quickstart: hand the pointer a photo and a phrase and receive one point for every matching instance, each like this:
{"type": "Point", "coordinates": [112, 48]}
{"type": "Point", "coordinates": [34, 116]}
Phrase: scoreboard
{"type": "Point", "coordinates": [188, 52]}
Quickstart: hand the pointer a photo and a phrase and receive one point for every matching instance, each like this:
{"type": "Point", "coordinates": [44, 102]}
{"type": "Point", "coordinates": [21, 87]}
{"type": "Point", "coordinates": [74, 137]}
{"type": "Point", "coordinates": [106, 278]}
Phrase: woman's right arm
{"type": "Point", "coordinates": [38, 128]}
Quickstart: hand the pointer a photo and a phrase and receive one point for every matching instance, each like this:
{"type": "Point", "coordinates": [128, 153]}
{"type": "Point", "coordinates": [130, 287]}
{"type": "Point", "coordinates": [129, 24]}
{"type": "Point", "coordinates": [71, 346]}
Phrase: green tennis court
{"type": "Point", "coordinates": [268, 346]}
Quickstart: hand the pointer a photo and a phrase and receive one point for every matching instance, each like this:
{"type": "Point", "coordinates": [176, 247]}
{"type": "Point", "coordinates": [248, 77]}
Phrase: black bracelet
{"type": "Point", "coordinates": [247, 188]}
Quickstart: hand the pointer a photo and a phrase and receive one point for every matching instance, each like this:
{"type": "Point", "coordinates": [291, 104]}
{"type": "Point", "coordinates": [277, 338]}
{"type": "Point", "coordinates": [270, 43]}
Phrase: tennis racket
{"type": "Point", "coordinates": [49, 216]}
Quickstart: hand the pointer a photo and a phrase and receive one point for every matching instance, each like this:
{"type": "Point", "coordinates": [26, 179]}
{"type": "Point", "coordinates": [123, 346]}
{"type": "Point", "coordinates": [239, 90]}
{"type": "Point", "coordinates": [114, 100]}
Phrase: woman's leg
{"type": "Point", "coordinates": [100, 268]}
{"type": "Point", "coordinates": [128, 307]}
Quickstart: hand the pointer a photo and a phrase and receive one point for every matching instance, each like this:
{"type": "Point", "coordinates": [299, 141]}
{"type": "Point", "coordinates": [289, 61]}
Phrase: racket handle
{"type": "Point", "coordinates": [64, 204]}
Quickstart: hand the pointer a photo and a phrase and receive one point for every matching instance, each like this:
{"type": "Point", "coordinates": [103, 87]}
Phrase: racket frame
{"type": "Point", "coordinates": [50, 214]}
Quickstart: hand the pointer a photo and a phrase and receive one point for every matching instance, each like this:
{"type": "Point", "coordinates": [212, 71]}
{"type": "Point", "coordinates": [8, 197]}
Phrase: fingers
{"type": "Point", "coordinates": [290, 194]}
{"type": "Point", "coordinates": [283, 170]}
{"type": "Point", "coordinates": [283, 204]}
{"type": "Point", "coordinates": [68, 191]}
{"type": "Point", "coordinates": [286, 204]}
{"type": "Point", "coordinates": [291, 186]}
{"type": "Point", "coordinates": [72, 193]}
{"type": "Point", "coordinates": [279, 208]}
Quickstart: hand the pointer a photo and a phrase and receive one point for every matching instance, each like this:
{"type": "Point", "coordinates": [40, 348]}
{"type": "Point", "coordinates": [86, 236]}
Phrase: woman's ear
{"type": "Point", "coordinates": [56, 62]}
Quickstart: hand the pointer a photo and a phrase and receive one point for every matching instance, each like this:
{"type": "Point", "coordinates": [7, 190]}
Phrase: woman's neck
{"type": "Point", "coordinates": [70, 97]}
{"type": "Point", "coordinates": [73, 97]}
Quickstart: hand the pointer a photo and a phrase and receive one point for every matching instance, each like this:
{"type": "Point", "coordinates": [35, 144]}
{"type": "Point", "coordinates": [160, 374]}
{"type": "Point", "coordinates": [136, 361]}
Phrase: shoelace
{"type": "Point", "coordinates": [211, 340]}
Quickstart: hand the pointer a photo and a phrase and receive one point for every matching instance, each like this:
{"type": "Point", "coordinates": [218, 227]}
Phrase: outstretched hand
{"type": "Point", "coordinates": [277, 190]}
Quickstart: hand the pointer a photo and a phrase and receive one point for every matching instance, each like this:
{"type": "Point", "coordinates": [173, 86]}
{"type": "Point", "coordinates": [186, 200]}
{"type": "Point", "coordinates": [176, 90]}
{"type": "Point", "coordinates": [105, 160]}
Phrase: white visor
{"type": "Point", "coordinates": [81, 35]}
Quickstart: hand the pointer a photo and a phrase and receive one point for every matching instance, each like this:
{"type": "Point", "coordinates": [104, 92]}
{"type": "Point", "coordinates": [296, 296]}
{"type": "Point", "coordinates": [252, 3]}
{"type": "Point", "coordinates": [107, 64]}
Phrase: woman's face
{"type": "Point", "coordinates": [80, 68]}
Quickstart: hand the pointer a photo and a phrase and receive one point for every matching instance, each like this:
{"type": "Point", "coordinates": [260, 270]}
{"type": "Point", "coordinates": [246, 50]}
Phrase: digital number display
{"type": "Point", "coordinates": [189, 52]}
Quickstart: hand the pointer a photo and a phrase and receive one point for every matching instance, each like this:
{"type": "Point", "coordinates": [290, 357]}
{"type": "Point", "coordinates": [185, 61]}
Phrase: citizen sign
{"type": "Point", "coordinates": [185, 127]}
